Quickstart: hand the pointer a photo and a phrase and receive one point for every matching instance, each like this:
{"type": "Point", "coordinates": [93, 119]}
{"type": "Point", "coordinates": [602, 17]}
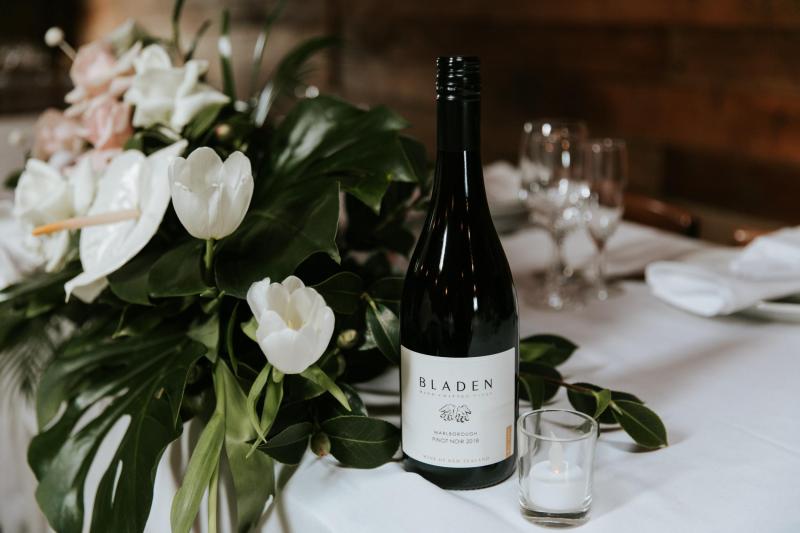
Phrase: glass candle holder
{"type": "Point", "coordinates": [556, 462]}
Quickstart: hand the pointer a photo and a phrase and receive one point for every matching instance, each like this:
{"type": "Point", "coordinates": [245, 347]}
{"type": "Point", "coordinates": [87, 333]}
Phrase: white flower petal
{"type": "Point", "coordinates": [294, 324]}
{"type": "Point", "coordinates": [257, 297]}
{"type": "Point", "coordinates": [131, 181]}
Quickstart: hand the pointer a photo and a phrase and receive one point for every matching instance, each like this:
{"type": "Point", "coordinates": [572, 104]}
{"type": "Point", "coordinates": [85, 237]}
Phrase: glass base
{"type": "Point", "coordinates": [556, 519]}
{"type": "Point", "coordinates": [568, 294]}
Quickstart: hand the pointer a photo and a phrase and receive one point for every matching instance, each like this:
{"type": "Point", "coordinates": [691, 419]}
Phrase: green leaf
{"type": "Point", "coordinates": [551, 377]}
{"type": "Point", "coordinates": [360, 441]}
{"type": "Point", "coordinates": [261, 42]}
{"type": "Point", "coordinates": [230, 329]}
{"type": "Point", "coordinates": [130, 283]}
{"type": "Point", "coordinates": [388, 291]}
{"type": "Point", "coordinates": [289, 445]}
{"type": "Point", "coordinates": [384, 327]}
{"type": "Point", "coordinates": [249, 328]}
{"type": "Point", "coordinates": [534, 388]}
{"type": "Point", "coordinates": [586, 402]}
{"type": "Point", "coordinates": [289, 73]}
{"type": "Point", "coordinates": [327, 407]}
{"type": "Point", "coordinates": [316, 375]}
{"type": "Point", "coordinates": [322, 143]}
{"type": "Point", "coordinates": [179, 272]}
{"type": "Point", "coordinates": [100, 381]}
{"type": "Point", "coordinates": [342, 292]}
{"type": "Point", "coordinates": [642, 424]}
{"type": "Point", "coordinates": [603, 399]}
{"type": "Point", "coordinates": [550, 350]}
{"type": "Point", "coordinates": [253, 396]}
{"type": "Point", "coordinates": [203, 122]}
{"type": "Point", "coordinates": [277, 235]}
{"type": "Point", "coordinates": [202, 464]}
{"type": "Point", "coordinates": [228, 83]}
{"type": "Point", "coordinates": [207, 334]}
{"type": "Point", "coordinates": [253, 475]}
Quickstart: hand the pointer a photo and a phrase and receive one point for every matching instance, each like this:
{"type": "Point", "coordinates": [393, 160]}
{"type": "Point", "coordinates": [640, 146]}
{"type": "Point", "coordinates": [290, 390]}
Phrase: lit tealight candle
{"type": "Point", "coordinates": [557, 485]}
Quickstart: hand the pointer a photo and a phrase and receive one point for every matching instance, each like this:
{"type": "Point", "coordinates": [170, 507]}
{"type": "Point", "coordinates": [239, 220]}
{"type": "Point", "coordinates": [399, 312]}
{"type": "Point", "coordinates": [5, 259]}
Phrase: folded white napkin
{"type": "Point", "coordinates": [774, 256]}
{"type": "Point", "coordinates": [503, 182]}
{"type": "Point", "coordinates": [705, 283]}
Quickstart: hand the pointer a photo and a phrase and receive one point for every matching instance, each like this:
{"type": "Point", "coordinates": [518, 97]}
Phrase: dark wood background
{"type": "Point", "coordinates": [707, 92]}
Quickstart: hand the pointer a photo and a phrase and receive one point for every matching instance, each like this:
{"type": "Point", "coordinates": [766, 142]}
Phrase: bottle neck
{"type": "Point", "coordinates": [458, 125]}
{"type": "Point", "coordinates": [459, 173]}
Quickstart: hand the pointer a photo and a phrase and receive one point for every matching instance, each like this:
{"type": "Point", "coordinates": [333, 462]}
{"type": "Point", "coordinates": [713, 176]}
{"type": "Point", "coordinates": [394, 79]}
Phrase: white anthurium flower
{"type": "Point", "coordinates": [42, 195]}
{"type": "Point", "coordinates": [82, 180]}
{"type": "Point", "coordinates": [132, 181]}
{"type": "Point", "coordinates": [163, 94]}
{"type": "Point", "coordinates": [209, 196]}
{"type": "Point", "coordinates": [294, 323]}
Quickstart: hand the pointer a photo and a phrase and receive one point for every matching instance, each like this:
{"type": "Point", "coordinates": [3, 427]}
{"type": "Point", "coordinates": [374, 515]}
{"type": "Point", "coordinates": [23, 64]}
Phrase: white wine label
{"type": "Point", "coordinates": [458, 412]}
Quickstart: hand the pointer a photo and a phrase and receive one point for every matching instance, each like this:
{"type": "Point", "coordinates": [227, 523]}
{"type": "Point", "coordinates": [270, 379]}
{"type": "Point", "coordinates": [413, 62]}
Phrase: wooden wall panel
{"type": "Point", "coordinates": [694, 86]}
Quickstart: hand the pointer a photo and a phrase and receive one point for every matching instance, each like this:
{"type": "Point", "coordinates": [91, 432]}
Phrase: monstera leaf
{"type": "Point", "coordinates": [135, 383]}
{"type": "Point", "coordinates": [322, 146]}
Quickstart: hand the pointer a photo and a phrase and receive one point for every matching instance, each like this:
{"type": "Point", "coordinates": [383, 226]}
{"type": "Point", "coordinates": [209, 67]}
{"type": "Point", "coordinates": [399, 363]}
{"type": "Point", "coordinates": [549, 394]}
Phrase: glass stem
{"type": "Point", "coordinates": [558, 269]}
{"type": "Point", "coordinates": [600, 271]}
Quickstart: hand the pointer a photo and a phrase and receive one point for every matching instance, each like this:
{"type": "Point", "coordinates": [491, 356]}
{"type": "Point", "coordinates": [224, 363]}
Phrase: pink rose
{"type": "Point", "coordinates": [54, 133]}
{"type": "Point", "coordinates": [96, 70]}
{"type": "Point", "coordinates": [107, 123]}
{"type": "Point", "coordinates": [93, 67]}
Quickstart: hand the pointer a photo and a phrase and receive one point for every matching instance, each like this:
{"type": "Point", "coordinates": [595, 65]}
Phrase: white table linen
{"type": "Point", "coordinates": [725, 388]}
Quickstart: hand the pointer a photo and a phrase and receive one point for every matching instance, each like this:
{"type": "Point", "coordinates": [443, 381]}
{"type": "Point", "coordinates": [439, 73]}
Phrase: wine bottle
{"type": "Point", "coordinates": [458, 319]}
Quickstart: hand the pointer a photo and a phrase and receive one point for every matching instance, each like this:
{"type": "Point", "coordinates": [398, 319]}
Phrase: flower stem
{"type": "Point", "coordinates": [213, 490]}
{"type": "Point", "coordinates": [208, 261]}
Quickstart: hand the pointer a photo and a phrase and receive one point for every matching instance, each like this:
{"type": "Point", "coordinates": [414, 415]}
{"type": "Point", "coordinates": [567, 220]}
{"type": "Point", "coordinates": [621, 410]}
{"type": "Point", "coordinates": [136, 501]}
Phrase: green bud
{"type": "Point", "coordinates": [320, 444]}
{"type": "Point", "coordinates": [347, 339]}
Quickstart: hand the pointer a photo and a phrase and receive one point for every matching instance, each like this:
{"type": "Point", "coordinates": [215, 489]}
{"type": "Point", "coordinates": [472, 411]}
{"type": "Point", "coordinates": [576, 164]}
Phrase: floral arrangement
{"type": "Point", "coordinates": [235, 261]}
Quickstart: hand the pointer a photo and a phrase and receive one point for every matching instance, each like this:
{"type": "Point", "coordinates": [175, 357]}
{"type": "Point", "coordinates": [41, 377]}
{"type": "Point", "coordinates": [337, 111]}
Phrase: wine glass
{"type": "Point", "coordinates": [605, 168]}
{"type": "Point", "coordinates": [555, 192]}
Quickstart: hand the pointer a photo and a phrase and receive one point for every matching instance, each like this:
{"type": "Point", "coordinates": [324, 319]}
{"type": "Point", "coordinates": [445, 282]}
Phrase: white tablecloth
{"type": "Point", "coordinates": [725, 388]}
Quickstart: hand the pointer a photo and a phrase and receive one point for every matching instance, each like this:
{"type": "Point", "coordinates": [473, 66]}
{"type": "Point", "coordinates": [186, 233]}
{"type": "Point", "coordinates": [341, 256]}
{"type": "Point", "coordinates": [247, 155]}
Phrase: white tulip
{"type": "Point", "coordinates": [209, 196]}
{"type": "Point", "coordinates": [163, 94]}
{"type": "Point", "coordinates": [294, 324]}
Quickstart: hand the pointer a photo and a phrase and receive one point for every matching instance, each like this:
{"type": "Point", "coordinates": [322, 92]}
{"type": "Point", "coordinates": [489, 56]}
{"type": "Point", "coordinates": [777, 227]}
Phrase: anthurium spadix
{"type": "Point", "coordinates": [209, 196]}
{"type": "Point", "coordinates": [133, 185]}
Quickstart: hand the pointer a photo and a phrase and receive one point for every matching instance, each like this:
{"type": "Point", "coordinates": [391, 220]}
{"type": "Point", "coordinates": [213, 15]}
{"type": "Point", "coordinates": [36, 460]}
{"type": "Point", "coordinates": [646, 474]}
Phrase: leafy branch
{"type": "Point", "coordinates": [540, 381]}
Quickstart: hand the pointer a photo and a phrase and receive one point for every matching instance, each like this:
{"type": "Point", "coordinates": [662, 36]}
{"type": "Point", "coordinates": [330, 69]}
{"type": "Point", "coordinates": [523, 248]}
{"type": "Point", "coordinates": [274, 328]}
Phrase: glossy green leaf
{"type": "Point", "coordinates": [130, 283]}
{"type": "Point", "coordinates": [327, 407]}
{"type": "Point", "coordinates": [551, 377]}
{"type": "Point", "coordinates": [603, 399]}
{"type": "Point", "coordinates": [586, 402]}
{"type": "Point", "coordinates": [342, 292]}
{"type": "Point", "coordinates": [253, 475]}
{"type": "Point", "coordinates": [384, 327]}
{"type": "Point", "coordinates": [642, 424]}
{"type": "Point", "coordinates": [316, 375]}
{"type": "Point", "coordinates": [203, 122]}
{"type": "Point", "coordinates": [206, 332]}
{"type": "Point", "coordinates": [278, 234]}
{"type": "Point", "coordinates": [550, 350]}
{"type": "Point", "coordinates": [533, 386]}
{"type": "Point", "coordinates": [253, 396]}
{"type": "Point", "coordinates": [360, 441]}
{"type": "Point", "coordinates": [226, 66]}
{"type": "Point", "coordinates": [289, 445]}
{"type": "Point", "coordinates": [179, 272]}
{"type": "Point", "coordinates": [388, 292]}
{"type": "Point", "coordinates": [202, 464]}
{"type": "Point", "coordinates": [102, 381]}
